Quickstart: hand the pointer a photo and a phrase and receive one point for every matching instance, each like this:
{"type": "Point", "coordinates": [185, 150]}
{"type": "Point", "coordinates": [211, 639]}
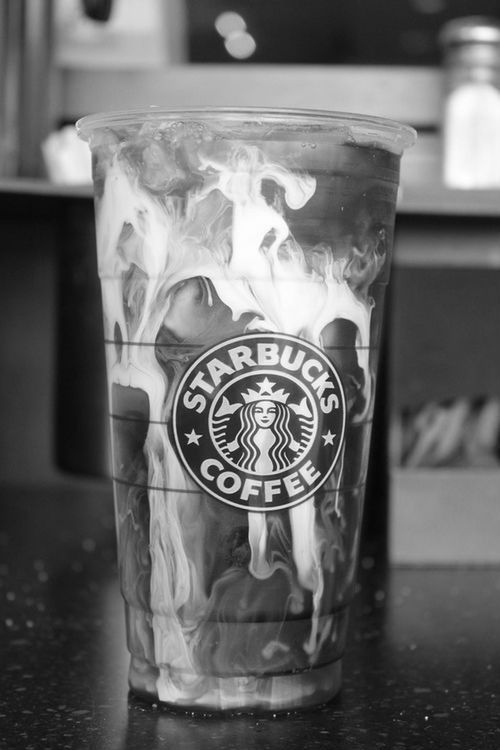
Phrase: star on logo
{"type": "Point", "coordinates": [328, 438]}
{"type": "Point", "coordinates": [193, 437]}
{"type": "Point", "coordinates": [266, 386]}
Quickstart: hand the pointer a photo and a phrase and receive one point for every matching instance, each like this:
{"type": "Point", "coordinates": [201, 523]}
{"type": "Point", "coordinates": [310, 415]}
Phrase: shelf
{"type": "Point", "coordinates": [40, 187]}
{"type": "Point", "coordinates": [431, 199]}
{"type": "Point", "coordinates": [420, 199]}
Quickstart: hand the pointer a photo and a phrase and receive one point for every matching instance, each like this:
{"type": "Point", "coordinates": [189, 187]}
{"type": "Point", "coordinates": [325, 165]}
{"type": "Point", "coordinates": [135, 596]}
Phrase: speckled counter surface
{"type": "Point", "coordinates": [422, 668]}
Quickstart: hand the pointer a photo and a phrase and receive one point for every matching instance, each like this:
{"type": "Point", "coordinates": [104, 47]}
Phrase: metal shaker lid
{"type": "Point", "coordinates": [470, 30]}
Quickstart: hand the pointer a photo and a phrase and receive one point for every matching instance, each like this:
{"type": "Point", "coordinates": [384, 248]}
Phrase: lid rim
{"type": "Point", "coordinates": [392, 131]}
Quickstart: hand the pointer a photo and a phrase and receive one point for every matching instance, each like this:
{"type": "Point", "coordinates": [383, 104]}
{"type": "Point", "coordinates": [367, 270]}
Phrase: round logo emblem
{"type": "Point", "coordinates": [259, 420]}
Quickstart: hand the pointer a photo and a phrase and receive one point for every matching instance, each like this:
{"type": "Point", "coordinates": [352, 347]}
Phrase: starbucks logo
{"type": "Point", "coordinates": [259, 421]}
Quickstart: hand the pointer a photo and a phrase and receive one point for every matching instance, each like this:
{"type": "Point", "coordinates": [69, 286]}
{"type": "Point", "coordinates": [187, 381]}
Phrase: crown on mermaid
{"type": "Point", "coordinates": [265, 393]}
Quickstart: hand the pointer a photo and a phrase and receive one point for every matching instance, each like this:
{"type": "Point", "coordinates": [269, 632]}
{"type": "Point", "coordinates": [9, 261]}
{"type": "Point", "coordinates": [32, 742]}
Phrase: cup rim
{"type": "Point", "coordinates": [361, 129]}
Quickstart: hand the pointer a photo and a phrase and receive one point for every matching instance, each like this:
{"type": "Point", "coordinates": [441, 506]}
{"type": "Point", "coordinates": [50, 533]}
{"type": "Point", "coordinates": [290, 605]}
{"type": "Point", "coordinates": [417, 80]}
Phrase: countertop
{"type": "Point", "coordinates": [422, 668]}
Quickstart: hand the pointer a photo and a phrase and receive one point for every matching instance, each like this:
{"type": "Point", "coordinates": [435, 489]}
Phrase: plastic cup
{"type": "Point", "coordinates": [243, 258]}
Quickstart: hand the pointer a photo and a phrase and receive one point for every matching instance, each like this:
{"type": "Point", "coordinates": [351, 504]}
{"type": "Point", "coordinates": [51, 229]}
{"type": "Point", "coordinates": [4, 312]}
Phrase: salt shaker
{"type": "Point", "coordinates": [471, 117]}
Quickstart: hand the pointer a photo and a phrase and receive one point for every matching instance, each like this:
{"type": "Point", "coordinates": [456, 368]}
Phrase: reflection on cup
{"type": "Point", "coordinates": [243, 258]}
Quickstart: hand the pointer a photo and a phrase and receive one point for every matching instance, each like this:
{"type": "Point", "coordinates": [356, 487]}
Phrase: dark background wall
{"type": "Point", "coordinates": [380, 32]}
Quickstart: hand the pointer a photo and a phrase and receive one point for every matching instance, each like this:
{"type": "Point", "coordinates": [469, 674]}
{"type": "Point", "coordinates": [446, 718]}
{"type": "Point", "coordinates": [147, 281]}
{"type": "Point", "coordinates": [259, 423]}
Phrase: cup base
{"type": "Point", "coordinates": [245, 694]}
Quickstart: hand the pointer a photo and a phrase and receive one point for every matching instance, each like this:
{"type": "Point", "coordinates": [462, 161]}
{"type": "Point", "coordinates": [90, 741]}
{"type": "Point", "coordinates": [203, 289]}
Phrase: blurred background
{"type": "Point", "coordinates": [379, 32]}
{"type": "Point", "coordinates": [61, 59]}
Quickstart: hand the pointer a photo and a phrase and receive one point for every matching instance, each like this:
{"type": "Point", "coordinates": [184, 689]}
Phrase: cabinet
{"type": "Point", "coordinates": [445, 351]}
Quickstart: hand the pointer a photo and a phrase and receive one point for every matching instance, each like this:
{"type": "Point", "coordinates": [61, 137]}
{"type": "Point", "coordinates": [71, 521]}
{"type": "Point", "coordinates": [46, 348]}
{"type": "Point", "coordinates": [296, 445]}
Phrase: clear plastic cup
{"type": "Point", "coordinates": [243, 258]}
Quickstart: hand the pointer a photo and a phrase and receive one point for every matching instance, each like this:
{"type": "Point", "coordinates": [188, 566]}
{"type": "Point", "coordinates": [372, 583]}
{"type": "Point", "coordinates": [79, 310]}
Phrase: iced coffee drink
{"type": "Point", "coordinates": [243, 258]}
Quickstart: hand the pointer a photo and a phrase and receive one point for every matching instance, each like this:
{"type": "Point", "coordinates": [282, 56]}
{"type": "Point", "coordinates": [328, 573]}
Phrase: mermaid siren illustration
{"type": "Point", "coordinates": [263, 432]}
